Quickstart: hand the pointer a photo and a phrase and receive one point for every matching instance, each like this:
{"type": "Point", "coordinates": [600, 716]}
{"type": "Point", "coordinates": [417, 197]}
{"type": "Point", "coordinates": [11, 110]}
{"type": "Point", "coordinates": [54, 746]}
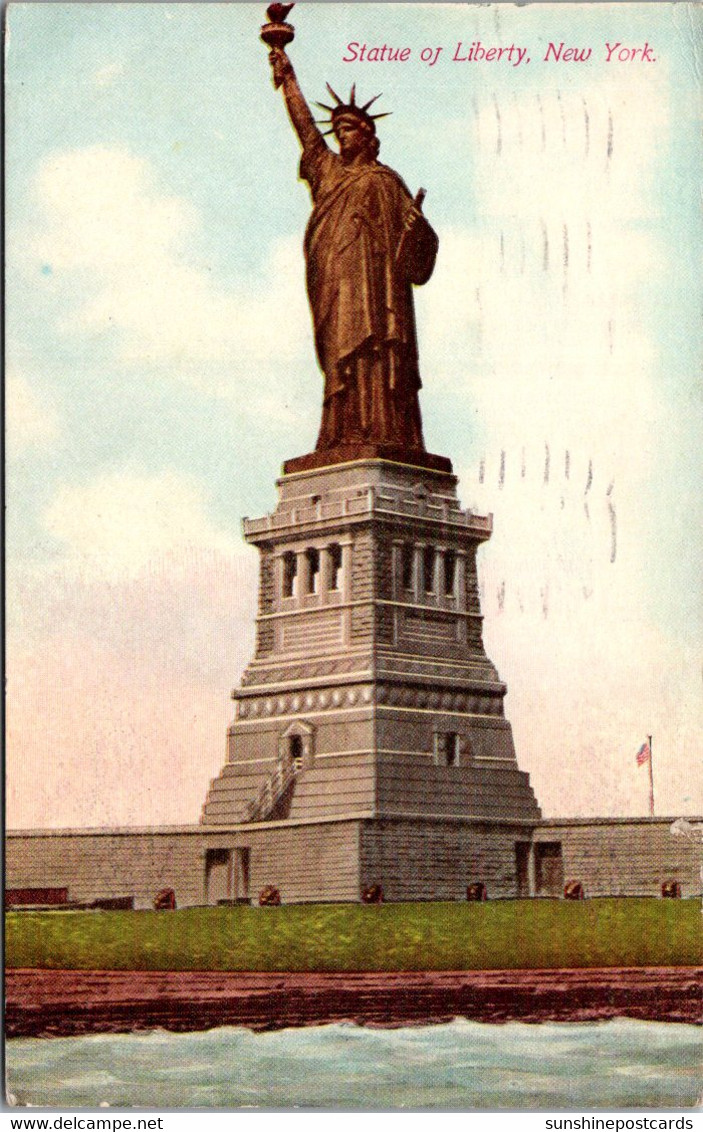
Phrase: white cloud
{"type": "Point", "coordinates": [123, 249]}
{"type": "Point", "coordinates": [129, 642]}
{"type": "Point", "coordinates": [105, 76]}
{"type": "Point", "coordinates": [29, 421]}
{"type": "Point", "coordinates": [120, 524]}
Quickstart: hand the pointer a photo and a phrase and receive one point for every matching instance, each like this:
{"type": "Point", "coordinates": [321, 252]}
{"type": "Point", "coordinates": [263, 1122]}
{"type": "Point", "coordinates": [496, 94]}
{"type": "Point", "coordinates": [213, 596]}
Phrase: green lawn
{"type": "Point", "coordinates": [349, 937]}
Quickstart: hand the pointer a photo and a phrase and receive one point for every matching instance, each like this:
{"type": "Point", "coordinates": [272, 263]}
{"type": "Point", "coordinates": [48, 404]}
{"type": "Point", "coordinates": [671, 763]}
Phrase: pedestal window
{"type": "Point", "coordinates": [429, 559]}
{"type": "Point", "coordinates": [407, 563]}
{"type": "Point", "coordinates": [295, 751]}
{"type": "Point", "coordinates": [290, 573]}
{"type": "Point", "coordinates": [312, 556]}
{"type": "Point", "coordinates": [449, 572]}
{"type": "Point", "coordinates": [296, 746]}
{"type": "Point", "coordinates": [335, 566]}
{"type": "Point", "coordinates": [446, 748]}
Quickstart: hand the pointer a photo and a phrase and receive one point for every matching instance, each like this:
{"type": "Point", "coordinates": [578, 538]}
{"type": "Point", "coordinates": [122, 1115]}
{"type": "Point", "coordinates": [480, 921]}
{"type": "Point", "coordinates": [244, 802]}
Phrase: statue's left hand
{"type": "Point", "coordinates": [418, 243]}
{"type": "Point", "coordinates": [411, 218]}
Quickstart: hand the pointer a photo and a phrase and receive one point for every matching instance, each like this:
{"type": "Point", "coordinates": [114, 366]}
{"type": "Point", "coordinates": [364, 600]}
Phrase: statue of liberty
{"type": "Point", "coordinates": [367, 242]}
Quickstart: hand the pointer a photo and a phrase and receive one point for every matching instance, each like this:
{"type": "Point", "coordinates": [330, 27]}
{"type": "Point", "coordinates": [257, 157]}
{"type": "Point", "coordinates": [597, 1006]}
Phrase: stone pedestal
{"type": "Point", "coordinates": [370, 696]}
{"type": "Point", "coordinates": [366, 451]}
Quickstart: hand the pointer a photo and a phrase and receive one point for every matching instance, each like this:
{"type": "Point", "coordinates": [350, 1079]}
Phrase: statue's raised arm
{"type": "Point", "coordinates": [367, 243]}
{"type": "Point", "coordinates": [298, 109]}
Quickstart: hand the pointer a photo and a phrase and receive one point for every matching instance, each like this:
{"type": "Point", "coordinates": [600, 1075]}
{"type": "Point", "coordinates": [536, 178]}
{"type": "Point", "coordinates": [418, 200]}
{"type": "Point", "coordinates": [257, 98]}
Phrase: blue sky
{"type": "Point", "coordinates": [160, 369]}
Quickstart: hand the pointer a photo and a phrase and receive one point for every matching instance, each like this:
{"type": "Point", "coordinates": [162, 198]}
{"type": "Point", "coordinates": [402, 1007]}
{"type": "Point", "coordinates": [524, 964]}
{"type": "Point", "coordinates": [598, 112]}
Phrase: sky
{"type": "Point", "coordinates": [160, 368]}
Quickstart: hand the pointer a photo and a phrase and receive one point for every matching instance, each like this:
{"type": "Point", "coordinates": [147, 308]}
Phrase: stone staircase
{"type": "Point", "coordinates": [274, 797]}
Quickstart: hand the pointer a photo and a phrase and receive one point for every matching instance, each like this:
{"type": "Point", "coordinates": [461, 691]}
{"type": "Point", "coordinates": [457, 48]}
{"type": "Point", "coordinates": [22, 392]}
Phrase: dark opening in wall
{"type": "Point", "coordinates": [290, 569]}
{"type": "Point", "coordinates": [449, 572]}
{"type": "Point", "coordinates": [218, 875]}
{"type": "Point", "coordinates": [313, 557]}
{"type": "Point", "coordinates": [447, 748]}
{"type": "Point", "coordinates": [335, 559]}
{"type": "Point", "coordinates": [408, 562]}
{"type": "Point", "coordinates": [428, 564]}
{"type": "Point", "coordinates": [522, 868]}
{"type": "Point", "coordinates": [549, 868]}
{"type": "Point", "coordinates": [451, 747]}
{"type": "Point", "coordinates": [295, 750]}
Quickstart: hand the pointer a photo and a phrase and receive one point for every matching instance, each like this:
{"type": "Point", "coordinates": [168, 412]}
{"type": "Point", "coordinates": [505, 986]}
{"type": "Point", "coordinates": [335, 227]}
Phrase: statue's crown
{"type": "Point", "coordinates": [349, 109]}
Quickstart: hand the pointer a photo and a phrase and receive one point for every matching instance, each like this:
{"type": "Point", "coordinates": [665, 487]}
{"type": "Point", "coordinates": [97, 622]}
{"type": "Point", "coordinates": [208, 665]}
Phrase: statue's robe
{"type": "Point", "coordinates": [361, 263]}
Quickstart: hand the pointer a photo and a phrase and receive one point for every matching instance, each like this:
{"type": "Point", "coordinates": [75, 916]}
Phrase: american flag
{"type": "Point", "coordinates": [644, 754]}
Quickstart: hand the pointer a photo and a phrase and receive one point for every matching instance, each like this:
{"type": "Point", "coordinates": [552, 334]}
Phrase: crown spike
{"type": "Point", "coordinates": [370, 102]}
{"type": "Point", "coordinates": [334, 95]}
{"type": "Point", "coordinates": [323, 106]}
{"type": "Point", "coordinates": [352, 95]}
{"type": "Point", "coordinates": [386, 115]}
{"type": "Point", "coordinates": [326, 133]}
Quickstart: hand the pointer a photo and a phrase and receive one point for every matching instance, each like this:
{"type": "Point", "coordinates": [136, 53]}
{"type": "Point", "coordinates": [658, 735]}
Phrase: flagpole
{"type": "Point", "coordinates": [651, 779]}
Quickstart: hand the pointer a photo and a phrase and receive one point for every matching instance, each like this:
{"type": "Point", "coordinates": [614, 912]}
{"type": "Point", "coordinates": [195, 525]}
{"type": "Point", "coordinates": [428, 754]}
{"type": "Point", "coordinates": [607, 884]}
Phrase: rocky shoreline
{"type": "Point", "coordinates": [53, 1003]}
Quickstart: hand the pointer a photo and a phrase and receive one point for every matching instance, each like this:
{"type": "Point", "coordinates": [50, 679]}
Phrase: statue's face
{"type": "Point", "coordinates": [351, 138]}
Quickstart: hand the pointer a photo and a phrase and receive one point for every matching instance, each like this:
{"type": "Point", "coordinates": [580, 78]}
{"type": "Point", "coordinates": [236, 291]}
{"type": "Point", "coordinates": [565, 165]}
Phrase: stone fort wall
{"type": "Point", "coordinates": [333, 860]}
{"type": "Point", "coordinates": [624, 856]}
{"type": "Point", "coordinates": [307, 863]}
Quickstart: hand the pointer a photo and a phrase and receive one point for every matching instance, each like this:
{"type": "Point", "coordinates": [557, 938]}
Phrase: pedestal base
{"type": "Point", "coordinates": [345, 454]}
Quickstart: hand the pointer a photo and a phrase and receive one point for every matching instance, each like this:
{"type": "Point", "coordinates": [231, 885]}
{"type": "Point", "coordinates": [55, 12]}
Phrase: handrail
{"type": "Point", "coordinates": [272, 791]}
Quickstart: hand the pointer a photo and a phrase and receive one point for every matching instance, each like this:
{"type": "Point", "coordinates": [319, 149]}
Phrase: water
{"type": "Point", "coordinates": [616, 1064]}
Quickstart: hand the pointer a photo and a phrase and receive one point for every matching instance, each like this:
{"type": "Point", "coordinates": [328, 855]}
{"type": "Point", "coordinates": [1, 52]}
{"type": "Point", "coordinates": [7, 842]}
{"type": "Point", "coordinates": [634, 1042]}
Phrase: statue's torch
{"type": "Point", "coordinates": [277, 33]}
